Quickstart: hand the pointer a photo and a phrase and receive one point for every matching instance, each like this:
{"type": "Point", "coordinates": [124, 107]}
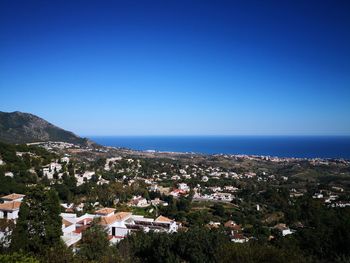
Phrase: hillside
{"type": "Point", "coordinates": [19, 127]}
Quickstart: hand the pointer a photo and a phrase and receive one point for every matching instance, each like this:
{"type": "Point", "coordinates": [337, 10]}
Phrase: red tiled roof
{"type": "Point", "coordinates": [10, 206]}
{"type": "Point", "coordinates": [81, 229]}
{"type": "Point", "coordinates": [12, 196]}
{"type": "Point", "coordinates": [66, 223]}
{"type": "Point", "coordinates": [105, 211]}
{"type": "Point", "coordinates": [107, 220]}
{"type": "Point", "coordinates": [87, 220]}
{"type": "Point", "coordinates": [231, 224]}
{"type": "Point", "coordinates": [163, 219]}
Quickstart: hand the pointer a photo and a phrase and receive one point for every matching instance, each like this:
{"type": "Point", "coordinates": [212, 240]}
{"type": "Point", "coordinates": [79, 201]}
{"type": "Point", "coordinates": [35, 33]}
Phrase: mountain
{"type": "Point", "coordinates": [19, 127]}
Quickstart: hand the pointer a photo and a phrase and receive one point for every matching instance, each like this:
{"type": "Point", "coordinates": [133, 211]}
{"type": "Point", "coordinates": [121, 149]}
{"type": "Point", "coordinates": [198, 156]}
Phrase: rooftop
{"type": "Point", "coordinates": [106, 220]}
{"type": "Point", "coordinates": [105, 211]}
{"type": "Point", "coordinates": [10, 206]}
{"type": "Point", "coordinates": [66, 223]}
{"type": "Point", "coordinates": [163, 219]}
{"type": "Point", "coordinates": [12, 196]}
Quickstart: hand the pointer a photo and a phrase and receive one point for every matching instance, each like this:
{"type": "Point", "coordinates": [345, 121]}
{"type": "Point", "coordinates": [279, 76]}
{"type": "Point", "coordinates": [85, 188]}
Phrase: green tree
{"type": "Point", "coordinates": [219, 210]}
{"type": "Point", "coordinates": [17, 258]}
{"type": "Point", "coordinates": [39, 224]}
{"type": "Point", "coordinates": [94, 243]}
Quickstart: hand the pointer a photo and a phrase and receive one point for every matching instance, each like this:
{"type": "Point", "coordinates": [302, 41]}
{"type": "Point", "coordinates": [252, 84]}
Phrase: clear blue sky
{"type": "Point", "coordinates": [179, 67]}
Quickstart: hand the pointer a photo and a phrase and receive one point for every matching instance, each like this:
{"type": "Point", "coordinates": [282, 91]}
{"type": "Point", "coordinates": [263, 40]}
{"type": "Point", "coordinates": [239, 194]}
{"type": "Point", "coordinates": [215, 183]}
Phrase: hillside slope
{"type": "Point", "coordinates": [19, 127]}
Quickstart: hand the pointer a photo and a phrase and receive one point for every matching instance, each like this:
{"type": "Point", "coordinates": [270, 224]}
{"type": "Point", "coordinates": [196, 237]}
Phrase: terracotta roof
{"type": "Point", "coordinates": [10, 206]}
{"type": "Point", "coordinates": [281, 227]}
{"type": "Point", "coordinates": [122, 215]}
{"type": "Point", "coordinates": [105, 211]}
{"type": "Point", "coordinates": [107, 220]}
{"type": "Point", "coordinates": [231, 224]}
{"type": "Point", "coordinates": [85, 220]}
{"type": "Point", "coordinates": [66, 223]}
{"type": "Point", "coordinates": [238, 236]}
{"type": "Point", "coordinates": [81, 229]}
{"type": "Point", "coordinates": [163, 219]}
{"type": "Point", "coordinates": [12, 196]}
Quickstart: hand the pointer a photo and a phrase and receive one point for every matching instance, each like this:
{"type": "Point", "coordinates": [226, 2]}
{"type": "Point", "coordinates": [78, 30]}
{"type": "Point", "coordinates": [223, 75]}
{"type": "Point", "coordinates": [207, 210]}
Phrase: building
{"type": "Point", "coordinates": [233, 226]}
{"type": "Point", "coordinates": [119, 225]}
{"type": "Point", "coordinates": [13, 197]}
{"type": "Point", "coordinates": [183, 187]}
{"type": "Point", "coordinates": [138, 201]}
{"type": "Point", "coordinates": [9, 209]}
{"type": "Point", "coordinates": [239, 238]}
{"type": "Point", "coordinates": [283, 229]}
{"type": "Point", "coordinates": [9, 174]}
{"type": "Point", "coordinates": [73, 227]}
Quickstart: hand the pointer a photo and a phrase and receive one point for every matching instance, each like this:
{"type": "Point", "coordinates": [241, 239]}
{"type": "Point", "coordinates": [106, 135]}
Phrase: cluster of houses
{"type": "Point", "coordinates": [330, 197]}
{"type": "Point", "coordinates": [55, 145]}
{"type": "Point", "coordinates": [116, 224]}
{"type": "Point", "coordinates": [120, 224]}
{"type": "Point", "coordinates": [56, 168]}
{"type": "Point", "coordinates": [215, 193]}
{"type": "Point", "coordinates": [236, 234]}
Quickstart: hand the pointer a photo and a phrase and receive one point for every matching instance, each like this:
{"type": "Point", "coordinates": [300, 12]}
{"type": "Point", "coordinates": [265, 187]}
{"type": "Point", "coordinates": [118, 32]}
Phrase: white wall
{"type": "Point", "coordinates": [10, 215]}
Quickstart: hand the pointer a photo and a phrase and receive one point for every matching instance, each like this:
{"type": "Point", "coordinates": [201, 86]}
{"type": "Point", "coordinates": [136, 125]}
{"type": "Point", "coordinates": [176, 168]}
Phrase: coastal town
{"type": "Point", "coordinates": [126, 191]}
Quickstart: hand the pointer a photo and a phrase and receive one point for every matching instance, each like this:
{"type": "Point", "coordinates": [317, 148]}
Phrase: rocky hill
{"type": "Point", "coordinates": [19, 127]}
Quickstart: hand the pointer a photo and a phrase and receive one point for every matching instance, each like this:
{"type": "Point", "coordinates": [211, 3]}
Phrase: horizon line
{"type": "Point", "coordinates": [219, 135]}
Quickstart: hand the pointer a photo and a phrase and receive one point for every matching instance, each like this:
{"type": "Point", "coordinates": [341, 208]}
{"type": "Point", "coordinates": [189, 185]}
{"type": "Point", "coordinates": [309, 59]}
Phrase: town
{"type": "Point", "coordinates": [249, 198]}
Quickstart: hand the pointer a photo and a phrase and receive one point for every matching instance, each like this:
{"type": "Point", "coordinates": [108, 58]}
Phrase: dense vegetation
{"type": "Point", "coordinates": [20, 166]}
{"type": "Point", "coordinates": [326, 239]}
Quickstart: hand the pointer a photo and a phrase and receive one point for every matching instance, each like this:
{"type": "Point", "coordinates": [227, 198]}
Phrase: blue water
{"type": "Point", "coordinates": [282, 146]}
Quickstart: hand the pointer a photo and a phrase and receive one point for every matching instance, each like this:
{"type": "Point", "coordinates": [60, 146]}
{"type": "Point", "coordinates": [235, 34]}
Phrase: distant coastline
{"type": "Point", "coordinates": [279, 146]}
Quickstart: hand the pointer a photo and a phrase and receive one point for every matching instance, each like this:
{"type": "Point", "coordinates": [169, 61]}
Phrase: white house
{"type": "Point", "coordinates": [239, 238]}
{"type": "Point", "coordinates": [138, 201]}
{"type": "Point", "coordinates": [183, 187]}
{"type": "Point", "coordinates": [223, 196]}
{"type": "Point", "coordinates": [284, 230]}
{"type": "Point", "coordinates": [84, 177]}
{"type": "Point", "coordinates": [119, 225]}
{"type": "Point", "coordinates": [50, 169]}
{"type": "Point", "coordinates": [73, 226]}
{"type": "Point", "coordinates": [115, 224]}
{"type": "Point", "coordinates": [10, 208]}
{"type": "Point", "coordinates": [69, 236]}
{"type": "Point", "coordinates": [9, 174]}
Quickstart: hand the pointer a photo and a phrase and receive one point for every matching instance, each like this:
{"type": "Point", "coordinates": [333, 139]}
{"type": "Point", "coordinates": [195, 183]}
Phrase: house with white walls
{"type": "Point", "coordinates": [9, 209]}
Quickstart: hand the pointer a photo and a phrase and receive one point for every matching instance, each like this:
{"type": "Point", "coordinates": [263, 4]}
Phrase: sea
{"type": "Point", "coordinates": [279, 146]}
